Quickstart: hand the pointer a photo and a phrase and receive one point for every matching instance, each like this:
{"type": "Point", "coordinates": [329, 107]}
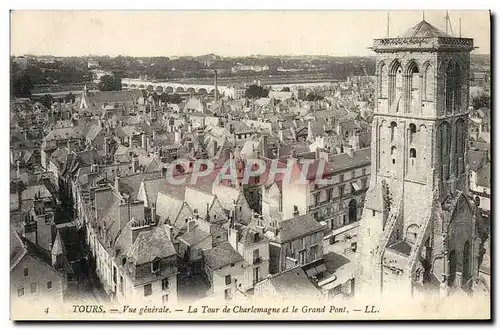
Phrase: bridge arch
{"type": "Point", "coordinates": [133, 85]}
{"type": "Point", "coordinates": [179, 90]}
{"type": "Point", "coordinates": [169, 89]}
{"type": "Point", "coordinates": [141, 86]}
{"type": "Point", "coordinates": [125, 85]}
{"type": "Point", "coordinates": [159, 89]}
{"type": "Point", "coordinates": [191, 90]}
{"type": "Point", "coordinates": [151, 88]}
{"type": "Point", "coordinates": [202, 91]}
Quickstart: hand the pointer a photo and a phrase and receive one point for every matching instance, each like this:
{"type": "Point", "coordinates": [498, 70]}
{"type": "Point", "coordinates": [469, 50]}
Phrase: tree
{"type": "Point", "coordinates": [174, 98]}
{"type": "Point", "coordinates": [20, 81]}
{"type": "Point", "coordinates": [109, 83]}
{"type": "Point", "coordinates": [156, 97]}
{"type": "Point", "coordinates": [70, 98]}
{"type": "Point", "coordinates": [164, 97]}
{"type": "Point", "coordinates": [47, 100]}
{"type": "Point", "coordinates": [313, 97]}
{"type": "Point", "coordinates": [255, 92]}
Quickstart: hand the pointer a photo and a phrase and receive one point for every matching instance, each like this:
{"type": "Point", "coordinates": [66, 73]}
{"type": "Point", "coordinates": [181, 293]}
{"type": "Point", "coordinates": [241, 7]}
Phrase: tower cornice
{"type": "Point", "coordinates": [423, 44]}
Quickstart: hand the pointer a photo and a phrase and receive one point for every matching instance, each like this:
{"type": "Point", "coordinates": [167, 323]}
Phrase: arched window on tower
{"type": "Point", "coordinates": [428, 83]}
{"type": "Point", "coordinates": [413, 156]}
{"type": "Point", "coordinates": [445, 145]}
{"type": "Point", "coordinates": [449, 91]}
{"type": "Point", "coordinates": [395, 86]}
{"type": "Point", "coordinates": [393, 130]}
{"type": "Point", "coordinates": [457, 103]}
{"type": "Point", "coordinates": [383, 80]}
{"type": "Point", "coordinates": [414, 86]}
{"type": "Point", "coordinates": [460, 146]}
{"type": "Point", "coordinates": [393, 154]}
{"type": "Point", "coordinates": [413, 132]}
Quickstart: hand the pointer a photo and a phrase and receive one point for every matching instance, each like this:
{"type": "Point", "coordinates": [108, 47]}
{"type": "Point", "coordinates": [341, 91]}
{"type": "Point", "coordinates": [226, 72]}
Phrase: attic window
{"type": "Point", "coordinates": [155, 266]}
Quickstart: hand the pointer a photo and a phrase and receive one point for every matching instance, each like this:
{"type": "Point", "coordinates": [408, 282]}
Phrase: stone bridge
{"type": "Point", "coordinates": [170, 87]}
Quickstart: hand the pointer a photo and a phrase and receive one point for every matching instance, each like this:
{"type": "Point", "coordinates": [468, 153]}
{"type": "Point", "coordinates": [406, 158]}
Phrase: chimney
{"type": "Point", "coordinates": [349, 151]}
{"type": "Point", "coordinates": [191, 224]}
{"type": "Point", "coordinates": [117, 184]}
{"type": "Point", "coordinates": [290, 263]}
{"type": "Point", "coordinates": [170, 232]}
{"type": "Point", "coordinates": [233, 238]}
{"type": "Point", "coordinates": [354, 141]}
{"type": "Point", "coordinates": [338, 129]}
{"type": "Point", "coordinates": [153, 212]}
{"type": "Point", "coordinates": [264, 146]}
{"type": "Point", "coordinates": [177, 135]}
{"type": "Point", "coordinates": [309, 131]}
{"type": "Point", "coordinates": [135, 164]}
{"type": "Point", "coordinates": [137, 227]}
{"type": "Point", "coordinates": [144, 143]}
{"type": "Point", "coordinates": [216, 95]}
{"type": "Point", "coordinates": [294, 133]}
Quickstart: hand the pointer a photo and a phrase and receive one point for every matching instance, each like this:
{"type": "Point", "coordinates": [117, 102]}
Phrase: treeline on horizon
{"type": "Point", "coordinates": [69, 70]}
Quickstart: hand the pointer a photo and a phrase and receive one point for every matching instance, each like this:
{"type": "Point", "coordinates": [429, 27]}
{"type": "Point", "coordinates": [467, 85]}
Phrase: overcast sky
{"type": "Point", "coordinates": [226, 33]}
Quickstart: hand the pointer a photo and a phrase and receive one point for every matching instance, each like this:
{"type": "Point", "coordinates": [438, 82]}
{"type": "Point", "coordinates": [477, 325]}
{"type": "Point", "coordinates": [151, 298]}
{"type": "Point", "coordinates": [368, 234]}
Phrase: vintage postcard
{"type": "Point", "coordinates": [250, 165]}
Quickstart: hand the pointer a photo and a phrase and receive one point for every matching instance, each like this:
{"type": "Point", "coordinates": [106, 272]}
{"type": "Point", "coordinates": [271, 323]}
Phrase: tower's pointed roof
{"type": "Point", "coordinates": [423, 30]}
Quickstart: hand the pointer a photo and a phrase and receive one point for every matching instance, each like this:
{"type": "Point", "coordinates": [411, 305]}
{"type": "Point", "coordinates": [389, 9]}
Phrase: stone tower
{"type": "Point", "coordinates": [418, 222]}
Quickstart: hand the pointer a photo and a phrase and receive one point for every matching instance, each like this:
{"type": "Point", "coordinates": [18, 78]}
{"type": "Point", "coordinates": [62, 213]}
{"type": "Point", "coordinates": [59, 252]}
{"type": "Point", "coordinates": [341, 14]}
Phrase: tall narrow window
{"type": "Point", "coordinates": [413, 153]}
{"type": "Point", "coordinates": [383, 79]}
{"type": "Point", "coordinates": [445, 145]}
{"type": "Point", "coordinates": [457, 102]}
{"type": "Point", "coordinates": [429, 83]}
{"type": "Point", "coordinates": [393, 154]}
{"type": "Point", "coordinates": [395, 85]}
{"type": "Point", "coordinates": [414, 86]}
{"type": "Point", "coordinates": [413, 132]}
{"type": "Point", "coordinates": [393, 130]}
{"type": "Point", "coordinates": [449, 88]}
{"type": "Point", "coordinates": [460, 146]}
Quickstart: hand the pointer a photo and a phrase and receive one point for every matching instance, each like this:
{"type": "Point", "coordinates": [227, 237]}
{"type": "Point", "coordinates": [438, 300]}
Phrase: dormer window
{"type": "Point", "coordinates": [155, 266]}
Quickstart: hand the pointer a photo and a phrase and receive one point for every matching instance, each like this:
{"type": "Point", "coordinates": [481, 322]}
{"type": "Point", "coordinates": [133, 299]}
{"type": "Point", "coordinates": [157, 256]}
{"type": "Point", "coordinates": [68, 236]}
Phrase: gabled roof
{"type": "Point", "coordinates": [293, 283]}
{"type": "Point", "coordinates": [423, 30]}
{"type": "Point", "coordinates": [221, 255]}
{"type": "Point", "coordinates": [150, 245]}
{"type": "Point", "coordinates": [297, 227]}
{"type": "Point", "coordinates": [194, 236]}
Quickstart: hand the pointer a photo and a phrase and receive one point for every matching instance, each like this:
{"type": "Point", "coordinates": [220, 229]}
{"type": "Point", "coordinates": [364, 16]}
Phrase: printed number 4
{"type": "Point", "coordinates": [46, 311]}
